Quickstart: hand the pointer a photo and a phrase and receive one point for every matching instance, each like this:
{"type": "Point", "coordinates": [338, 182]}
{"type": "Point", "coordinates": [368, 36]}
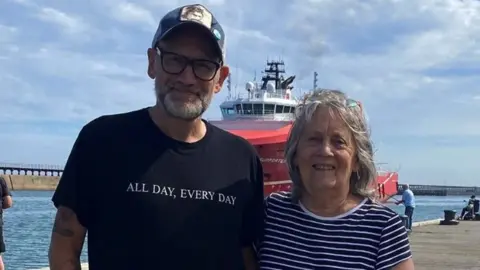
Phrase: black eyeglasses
{"type": "Point", "coordinates": [175, 64]}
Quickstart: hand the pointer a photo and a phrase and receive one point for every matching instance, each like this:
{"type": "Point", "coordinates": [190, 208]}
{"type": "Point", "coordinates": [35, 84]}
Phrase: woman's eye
{"type": "Point", "coordinates": [339, 142]}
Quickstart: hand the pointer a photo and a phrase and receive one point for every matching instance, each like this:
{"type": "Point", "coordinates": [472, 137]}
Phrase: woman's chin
{"type": "Point", "coordinates": [324, 183]}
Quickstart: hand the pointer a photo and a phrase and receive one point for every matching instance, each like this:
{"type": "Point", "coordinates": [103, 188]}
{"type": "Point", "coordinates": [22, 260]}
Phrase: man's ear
{"type": "Point", "coordinates": [222, 76]}
{"type": "Point", "coordinates": [152, 55]}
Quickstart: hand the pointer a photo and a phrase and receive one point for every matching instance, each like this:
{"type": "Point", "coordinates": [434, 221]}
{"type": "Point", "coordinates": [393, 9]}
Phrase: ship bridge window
{"type": "Point", "coordinates": [247, 108]}
{"type": "Point", "coordinates": [238, 109]}
{"type": "Point", "coordinates": [269, 108]}
{"type": "Point", "coordinates": [228, 111]}
{"type": "Point", "coordinates": [286, 109]}
{"type": "Point", "coordinates": [257, 109]}
{"type": "Point", "coordinates": [279, 109]}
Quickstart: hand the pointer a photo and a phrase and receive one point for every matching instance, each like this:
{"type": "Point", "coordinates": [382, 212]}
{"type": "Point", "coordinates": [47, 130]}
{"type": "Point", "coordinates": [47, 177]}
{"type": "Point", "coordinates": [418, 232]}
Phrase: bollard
{"type": "Point", "coordinates": [449, 218]}
{"type": "Point", "coordinates": [449, 215]}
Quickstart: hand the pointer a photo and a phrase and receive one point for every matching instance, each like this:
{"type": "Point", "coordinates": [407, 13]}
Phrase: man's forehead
{"type": "Point", "coordinates": [190, 36]}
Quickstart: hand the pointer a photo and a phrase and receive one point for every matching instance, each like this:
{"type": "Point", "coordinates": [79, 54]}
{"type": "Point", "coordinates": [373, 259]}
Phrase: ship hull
{"type": "Point", "coordinates": [270, 145]}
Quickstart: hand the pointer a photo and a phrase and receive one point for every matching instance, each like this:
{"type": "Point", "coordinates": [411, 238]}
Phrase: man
{"type": "Point", "coordinates": [6, 203]}
{"type": "Point", "coordinates": [160, 188]}
{"type": "Point", "coordinates": [468, 208]}
{"type": "Point", "coordinates": [408, 199]}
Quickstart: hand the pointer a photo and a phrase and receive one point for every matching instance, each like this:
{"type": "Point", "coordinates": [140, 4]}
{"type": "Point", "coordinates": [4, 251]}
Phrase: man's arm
{"type": "Point", "coordinates": [253, 218]}
{"type": "Point", "coordinates": [67, 240]}
{"type": "Point", "coordinates": [7, 201]}
{"type": "Point", "coordinates": [72, 198]}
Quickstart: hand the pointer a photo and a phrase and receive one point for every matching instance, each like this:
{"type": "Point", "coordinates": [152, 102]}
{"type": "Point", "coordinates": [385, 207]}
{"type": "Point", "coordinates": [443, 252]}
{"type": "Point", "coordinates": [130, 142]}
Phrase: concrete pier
{"type": "Point", "coordinates": [443, 247]}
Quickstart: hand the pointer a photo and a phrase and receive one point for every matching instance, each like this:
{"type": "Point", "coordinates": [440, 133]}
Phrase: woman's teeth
{"type": "Point", "coordinates": [323, 167]}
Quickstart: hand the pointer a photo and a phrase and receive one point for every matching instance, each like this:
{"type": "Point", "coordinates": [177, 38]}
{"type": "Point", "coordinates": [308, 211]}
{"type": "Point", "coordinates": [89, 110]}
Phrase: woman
{"type": "Point", "coordinates": [330, 220]}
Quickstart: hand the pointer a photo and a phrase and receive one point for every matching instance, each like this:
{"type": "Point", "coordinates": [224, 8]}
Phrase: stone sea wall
{"type": "Point", "coordinates": [31, 182]}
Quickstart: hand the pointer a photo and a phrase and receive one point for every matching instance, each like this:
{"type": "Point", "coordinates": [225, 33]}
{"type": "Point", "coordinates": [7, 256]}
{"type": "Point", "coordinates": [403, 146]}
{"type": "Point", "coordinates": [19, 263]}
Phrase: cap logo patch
{"type": "Point", "coordinates": [197, 13]}
{"type": "Point", "coordinates": [217, 34]}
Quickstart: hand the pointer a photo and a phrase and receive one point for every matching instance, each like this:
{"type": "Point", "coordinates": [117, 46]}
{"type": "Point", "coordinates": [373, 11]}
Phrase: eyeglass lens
{"type": "Point", "coordinates": [175, 64]}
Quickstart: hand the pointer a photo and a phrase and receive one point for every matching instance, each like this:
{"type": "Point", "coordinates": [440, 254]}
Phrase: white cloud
{"type": "Point", "coordinates": [133, 13]}
{"type": "Point", "coordinates": [414, 64]}
{"type": "Point", "coordinates": [67, 23]}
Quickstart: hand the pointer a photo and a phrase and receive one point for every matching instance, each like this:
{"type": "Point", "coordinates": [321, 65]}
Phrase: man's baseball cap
{"type": "Point", "coordinates": [192, 14]}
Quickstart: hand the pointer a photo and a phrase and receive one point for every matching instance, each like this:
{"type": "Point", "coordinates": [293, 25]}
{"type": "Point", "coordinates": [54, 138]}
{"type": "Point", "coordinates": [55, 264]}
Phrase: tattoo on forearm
{"type": "Point", "coordinates": [62, 220]}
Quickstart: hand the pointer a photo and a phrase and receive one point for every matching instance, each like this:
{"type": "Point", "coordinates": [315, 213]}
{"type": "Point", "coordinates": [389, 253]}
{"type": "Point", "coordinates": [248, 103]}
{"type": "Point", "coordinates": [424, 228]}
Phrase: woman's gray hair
{"type": "Point", "coordinates": [352, 114]}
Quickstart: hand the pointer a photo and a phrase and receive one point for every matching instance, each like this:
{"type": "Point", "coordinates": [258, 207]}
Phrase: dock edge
{"type": "Point", "coordinates": [427, 222]}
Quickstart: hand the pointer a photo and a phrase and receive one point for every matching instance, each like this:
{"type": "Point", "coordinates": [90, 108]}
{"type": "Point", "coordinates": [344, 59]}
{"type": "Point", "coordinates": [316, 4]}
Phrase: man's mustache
{"type": "Point", "coordinates": [184, 88]}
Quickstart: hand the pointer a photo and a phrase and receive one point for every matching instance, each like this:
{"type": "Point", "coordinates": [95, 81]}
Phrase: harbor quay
{"type": "Point", "coordinates": [446, 247]}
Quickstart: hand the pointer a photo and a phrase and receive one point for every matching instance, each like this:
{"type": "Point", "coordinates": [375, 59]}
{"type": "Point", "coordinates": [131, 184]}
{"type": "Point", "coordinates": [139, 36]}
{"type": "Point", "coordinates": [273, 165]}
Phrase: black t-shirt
{"type": "Point", "coordinates": [151, 202]}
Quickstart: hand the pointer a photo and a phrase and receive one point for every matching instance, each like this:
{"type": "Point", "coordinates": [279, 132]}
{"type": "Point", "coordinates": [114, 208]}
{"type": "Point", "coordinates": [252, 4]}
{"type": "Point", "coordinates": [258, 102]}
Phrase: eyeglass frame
{"type": "Point", "coordinates": [188, 62]}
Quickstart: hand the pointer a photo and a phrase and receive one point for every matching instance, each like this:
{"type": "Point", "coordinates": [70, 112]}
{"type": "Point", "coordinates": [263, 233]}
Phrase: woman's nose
{"type": "Point", "coordinates": [325, 149]}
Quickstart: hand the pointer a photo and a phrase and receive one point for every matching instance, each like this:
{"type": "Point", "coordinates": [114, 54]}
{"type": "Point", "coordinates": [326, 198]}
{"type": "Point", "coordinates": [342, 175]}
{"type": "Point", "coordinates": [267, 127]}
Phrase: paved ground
{"type": "Point", "coordinates": [437, 247]}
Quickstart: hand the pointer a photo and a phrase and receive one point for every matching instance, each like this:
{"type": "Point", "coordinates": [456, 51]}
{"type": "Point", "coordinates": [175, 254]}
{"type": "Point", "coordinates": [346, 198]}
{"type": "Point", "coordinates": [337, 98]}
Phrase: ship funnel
{"type": "Point", "coordinates": [271, 87]}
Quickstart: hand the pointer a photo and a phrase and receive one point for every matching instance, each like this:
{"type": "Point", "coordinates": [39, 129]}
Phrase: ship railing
{"type": "Point", "coordinates": [263, 95]}
{"type": "Point", "coordinates": [252, 117]}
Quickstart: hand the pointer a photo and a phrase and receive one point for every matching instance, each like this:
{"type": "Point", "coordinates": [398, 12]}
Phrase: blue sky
{"type": "Point", "coordinates": [414, 64]}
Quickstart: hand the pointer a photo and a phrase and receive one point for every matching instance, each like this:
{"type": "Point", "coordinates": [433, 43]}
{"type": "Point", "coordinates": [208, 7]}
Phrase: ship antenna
{"type": "Point", "coordinates": [315, 80]}
{"type": "Point", "coordinates": [229, 85]}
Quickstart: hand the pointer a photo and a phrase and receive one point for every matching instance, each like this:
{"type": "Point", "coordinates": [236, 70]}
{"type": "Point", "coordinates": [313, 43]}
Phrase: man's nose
{"type": "Point", "coordinates": [188, 75]}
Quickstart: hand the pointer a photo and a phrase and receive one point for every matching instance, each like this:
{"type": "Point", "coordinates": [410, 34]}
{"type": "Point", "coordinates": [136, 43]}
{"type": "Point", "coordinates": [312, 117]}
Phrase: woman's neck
{"type": "Point", "coordinates": [330, 205]}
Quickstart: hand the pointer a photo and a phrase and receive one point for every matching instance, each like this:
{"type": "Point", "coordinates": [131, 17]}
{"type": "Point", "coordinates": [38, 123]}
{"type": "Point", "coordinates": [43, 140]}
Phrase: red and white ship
{"type": "Point", "coordinates": [264, 117]}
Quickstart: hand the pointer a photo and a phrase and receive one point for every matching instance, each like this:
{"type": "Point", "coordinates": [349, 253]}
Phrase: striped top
{"type": "Point", "coordinates": [370, 236]}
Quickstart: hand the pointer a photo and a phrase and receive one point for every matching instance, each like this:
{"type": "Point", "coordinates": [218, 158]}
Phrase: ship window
{"type": "Point", "coordinates": [229, 111]}
{"type": "Point", "coordinates": [279, 109]}
{"type": "Point", "coordinates": [292, 110]}
{"type": "Point", "coordinates": [286, 109]}
{"type": "Point", "coordinates": [269, 108]}
{"type": "Point", "coordinates": [247, 109]}
{"type": "Point", "coordinates": [257, 109]}
{"type": "Point", "coordinates": [238, 108]}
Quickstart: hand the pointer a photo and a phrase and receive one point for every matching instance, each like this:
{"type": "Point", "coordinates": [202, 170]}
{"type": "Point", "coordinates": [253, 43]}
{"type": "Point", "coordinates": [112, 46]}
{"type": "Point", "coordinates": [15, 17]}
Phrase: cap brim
{"type": "Point", "coordinates": [207, 31]}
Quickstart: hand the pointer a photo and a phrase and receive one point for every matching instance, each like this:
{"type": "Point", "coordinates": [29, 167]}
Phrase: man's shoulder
{"type": "Point", "coordinates": [234, 142]}
{"type": "Point", "coordinates": [112, 121]}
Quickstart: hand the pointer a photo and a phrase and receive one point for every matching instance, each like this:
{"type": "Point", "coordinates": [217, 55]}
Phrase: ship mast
{"type": "Point", "coordinates": [229, 85]}
{"type": "Point", "coordinates": [273, 72]}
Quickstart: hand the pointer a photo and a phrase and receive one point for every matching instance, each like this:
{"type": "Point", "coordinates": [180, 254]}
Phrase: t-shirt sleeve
{"type": "Point", "coordinates": [72, 189]}
{"type": "Point", "coordinates": [4, 187]}
{"type": "Point", "coordinates": [252, 227]}
{"type": "Point", "coordinates": [394, 244]}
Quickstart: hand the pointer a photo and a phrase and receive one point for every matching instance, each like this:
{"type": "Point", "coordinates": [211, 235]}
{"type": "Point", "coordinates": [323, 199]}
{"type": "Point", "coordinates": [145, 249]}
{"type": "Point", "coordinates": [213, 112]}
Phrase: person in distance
{"type": "Point", "coordinates": [160, 188]}
{"type": "Point", "coordinates": [330, 219]}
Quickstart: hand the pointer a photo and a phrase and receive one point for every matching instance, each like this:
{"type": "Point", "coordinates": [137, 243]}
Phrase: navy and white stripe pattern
{"type": "Point", "coordinates": [370, 236]}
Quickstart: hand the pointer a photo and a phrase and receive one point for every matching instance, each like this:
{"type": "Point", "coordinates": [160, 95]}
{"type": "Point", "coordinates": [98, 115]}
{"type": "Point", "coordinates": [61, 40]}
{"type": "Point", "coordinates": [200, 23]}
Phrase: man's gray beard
{"type": "Point", "coordinates": [188, 111]}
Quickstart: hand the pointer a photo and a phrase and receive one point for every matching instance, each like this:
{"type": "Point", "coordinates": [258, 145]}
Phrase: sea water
{"type": "Point", "coordinates": [28, 225]}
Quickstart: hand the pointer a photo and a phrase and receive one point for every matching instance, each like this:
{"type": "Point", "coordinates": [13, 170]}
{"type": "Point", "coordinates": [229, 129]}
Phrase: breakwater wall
{"type": "Point", "coordinates": [31, 182]}
{"type": "Point", "coordinates": [436, 190]}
